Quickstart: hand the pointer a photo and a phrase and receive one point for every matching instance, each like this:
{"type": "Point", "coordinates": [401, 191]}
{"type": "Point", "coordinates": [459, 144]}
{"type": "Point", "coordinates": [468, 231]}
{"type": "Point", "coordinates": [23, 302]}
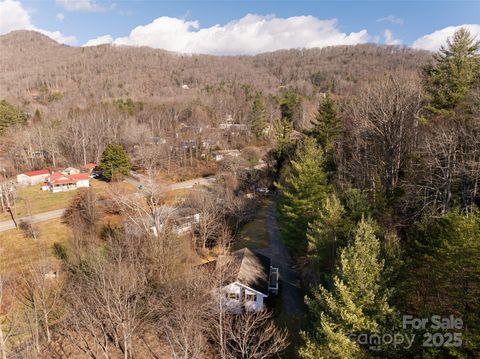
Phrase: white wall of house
{"type": "Point", "coordinates": [31, 181]}
{"type": "Point", "coordinates": [62, 188]}
{"type": "Point", "coordinates": [71, 171]}
{"type": "Point", "coordinates": [83, 183]}
{"type": "Point", "coordinates": [237, 294]}
{"type": "Point", "coordinates": [217, 157]}
{"type": "Point", "coordinates": [23, 179]}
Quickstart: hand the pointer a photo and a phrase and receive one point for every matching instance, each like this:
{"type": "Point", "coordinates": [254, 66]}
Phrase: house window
{"type": "Point", "coordinates": [251, 297]}
{"type": "Point", "coordinates": [232, 295]}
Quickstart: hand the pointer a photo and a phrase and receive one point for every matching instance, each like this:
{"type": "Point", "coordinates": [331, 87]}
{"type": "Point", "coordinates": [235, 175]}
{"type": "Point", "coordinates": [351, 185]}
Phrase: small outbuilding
{"type": "Point", "coordinates": [33, 177]}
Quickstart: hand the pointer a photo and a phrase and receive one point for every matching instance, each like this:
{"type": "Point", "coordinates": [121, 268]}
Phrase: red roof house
{"type": "Point", "coordinates": [32, 177]}
{"type": "Point", "coordinates": [60, 182]}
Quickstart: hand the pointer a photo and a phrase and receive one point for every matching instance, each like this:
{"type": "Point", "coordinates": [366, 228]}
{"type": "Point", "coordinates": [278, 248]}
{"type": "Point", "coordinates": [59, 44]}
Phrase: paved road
{"type": "Point", "coordinates": [203, 181]}
{"type": "Point", "coordinates": [41, 217]}
{"type": "Point", "coordinates": [45, 216]}
{"type": "Point", "coordinates": [290, 290]}
{"type": "Point", "coordinates": [139, 180]}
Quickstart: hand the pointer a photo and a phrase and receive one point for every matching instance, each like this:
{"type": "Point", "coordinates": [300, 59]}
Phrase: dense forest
{"type": "Point", "coordinates": [380, 203]}
{"type": "Point", "coordinates": [373, 157]}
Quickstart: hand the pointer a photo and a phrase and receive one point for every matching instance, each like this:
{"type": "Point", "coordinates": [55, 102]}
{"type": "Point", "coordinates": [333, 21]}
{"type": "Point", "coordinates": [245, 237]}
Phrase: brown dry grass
{"type": "Point", "coordinates": [17, 251]}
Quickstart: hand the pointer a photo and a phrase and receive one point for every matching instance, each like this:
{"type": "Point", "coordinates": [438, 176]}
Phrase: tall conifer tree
{"type": "Point", "coordinates": [303, 189]}
{"type": "Point", "coordinates": [356, 304]}
{"type": "Point", "coordinates": [451, 77]}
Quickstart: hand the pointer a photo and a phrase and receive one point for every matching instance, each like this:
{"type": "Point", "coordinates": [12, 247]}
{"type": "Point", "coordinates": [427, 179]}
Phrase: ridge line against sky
{"type": "Point", "coordinates": [233, 28]}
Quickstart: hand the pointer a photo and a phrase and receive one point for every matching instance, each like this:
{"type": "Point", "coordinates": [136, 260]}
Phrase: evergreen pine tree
{"type": "Point", "coordinates": [456, 68]}
{"type": "Point", "coordinates": [326, 126]}
{"type": "Point", "coordinates": [323, 236]}
{"type": "Point", "coordinates": [303, 188]}
{"type": "Point", "coordinates": [114, 162]}
{"type": "Point", "coordinates": [290, 106]}
{"type": "Point", "coordinates": [289, 110]}
{"type": "Point", "coordinates": [356, 304]}
{"type": "Point", "coordinates": [259, 122]}
{"type": "Point", "coordinates": [10, 115]}
{"type": "Point", "coordinates": [442, 276]}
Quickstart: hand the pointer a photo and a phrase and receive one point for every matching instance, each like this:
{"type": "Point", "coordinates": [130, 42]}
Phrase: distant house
{"type": "Point", "coordinates": [233, 127]}
{"type": "Point", "coordinates": [222, 154]}
{"type": "Point", "coordinates": [37, 154]}
{"type": "Point", "coordinates": [33, 177]}
{"type": "Point", "coordinates": [156, 140]}
{"type": "Point", "coordinates": [251, 279]}
{"type": "Point", "coordinates": [180, 220]}
{"type": "Point", "coordinates": [208, 144]}
{"type": "Point", "coordinates": [70, 171]}
{"type": "Point", "coordinates": [229, 121]}
{"type": "Point", "coordinates": [188, 144]}
{"type": "Point", "coordinates": [229, 124]}
{"type": "Point", "coordinates": [61, 182]}
{"type": "Point", "coordinates": [90, 167]}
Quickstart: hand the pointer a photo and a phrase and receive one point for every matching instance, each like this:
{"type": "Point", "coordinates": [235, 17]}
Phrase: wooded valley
{"type": "Point", "coordinates": [367, 157]}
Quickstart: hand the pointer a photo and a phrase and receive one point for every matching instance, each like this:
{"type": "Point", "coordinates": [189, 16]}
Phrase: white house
{"type": "Point", "coordinates": [230, 124]}
{"type": "Point", "coordinates": [222, 154]}
{"type": "Point", "coordinates": [61, 182]}
{"type": "Point", "coordinates": [71, 171]}
{"type": "Point", "coordinates": [180, 220]}
{"type": "Point", "coordinates": [33, 177]}
{"type": "Point", "coordinates": [251, 278]}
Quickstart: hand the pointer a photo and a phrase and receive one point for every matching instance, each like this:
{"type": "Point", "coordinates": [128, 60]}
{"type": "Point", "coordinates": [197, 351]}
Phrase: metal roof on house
{"type": "Point", "coordinates": [36, 173]}
{"type": "Point", "coordinates": [61, 178]}
{"type": "Point", "coordinates": [249, 269]}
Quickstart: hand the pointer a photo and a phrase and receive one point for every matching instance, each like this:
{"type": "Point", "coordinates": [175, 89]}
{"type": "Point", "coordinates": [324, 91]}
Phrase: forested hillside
{"type": "Point", "coordinates": [29, 61]}
{"type": "Point", "coordinates": [72, 91]}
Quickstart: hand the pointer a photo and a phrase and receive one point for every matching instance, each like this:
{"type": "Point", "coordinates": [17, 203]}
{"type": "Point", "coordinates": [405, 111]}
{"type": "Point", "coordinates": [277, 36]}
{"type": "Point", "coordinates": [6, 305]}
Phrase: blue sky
{"type": "Point", "coordinates": [223, 27]}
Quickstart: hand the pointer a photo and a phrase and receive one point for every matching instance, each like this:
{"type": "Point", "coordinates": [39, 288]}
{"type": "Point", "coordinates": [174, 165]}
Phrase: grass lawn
{"type": "Point", "coordinates": [17, 251]}
{"type": "Point", "coordinates": [172, 197]}
{"type": "Point", "coordinates": [42, 201]}
{"type": "Point", "coordinates": [254, 234]}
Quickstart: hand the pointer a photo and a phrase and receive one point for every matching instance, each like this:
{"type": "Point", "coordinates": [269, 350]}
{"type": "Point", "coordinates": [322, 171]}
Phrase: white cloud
{"type": "Point", "coordinates": [389, 39]}
{"type": "Point", "coordinates": [105, 39]}
{"type": "Point", "coordinates": [249, 35]}
{"type": "Point", "coordinates": [60, 16]}
{"type": "Point", "coordinates": [14, 17]}
{"type": "Point", "coordinates": [392, 19]}
{"type": "Point", "coordinates": [438, 38]}
{"type": "Point", "coordinates": [83, 5]}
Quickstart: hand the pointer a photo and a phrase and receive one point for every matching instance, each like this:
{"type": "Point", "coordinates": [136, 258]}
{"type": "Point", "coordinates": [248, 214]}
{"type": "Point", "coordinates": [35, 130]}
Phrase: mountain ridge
{"type": "Point", "coordinates": [30, 62]}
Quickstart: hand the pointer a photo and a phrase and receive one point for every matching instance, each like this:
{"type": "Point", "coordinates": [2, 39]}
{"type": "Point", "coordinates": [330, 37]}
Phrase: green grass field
{"type": "Point", "coordinates": [37, 201]}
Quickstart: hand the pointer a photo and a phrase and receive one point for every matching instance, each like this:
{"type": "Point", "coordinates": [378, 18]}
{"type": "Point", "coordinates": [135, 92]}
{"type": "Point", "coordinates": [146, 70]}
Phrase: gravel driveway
{"type": "Point", "coordinates": [290, 290]}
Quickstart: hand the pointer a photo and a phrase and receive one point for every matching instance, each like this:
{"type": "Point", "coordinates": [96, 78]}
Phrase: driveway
{"type": "Point", "coordinates": [290, 290]}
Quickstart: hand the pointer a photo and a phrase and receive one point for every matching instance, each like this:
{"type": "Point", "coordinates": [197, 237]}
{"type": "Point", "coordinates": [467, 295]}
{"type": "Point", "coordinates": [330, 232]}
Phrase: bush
{"type": "Point", "coordinates": [28, 229]}
{"type": "Point", "coordinates": [59, 251]}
